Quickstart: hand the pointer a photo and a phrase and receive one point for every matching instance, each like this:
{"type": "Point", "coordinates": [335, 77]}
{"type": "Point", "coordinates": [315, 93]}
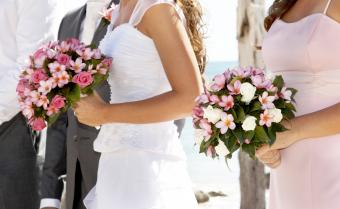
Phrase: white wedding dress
{"type": "Point", "coordinates": [141, 166]}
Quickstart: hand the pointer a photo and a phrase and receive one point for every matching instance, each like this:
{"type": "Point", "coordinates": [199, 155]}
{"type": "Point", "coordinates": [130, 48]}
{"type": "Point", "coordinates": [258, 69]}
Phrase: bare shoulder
{"type": "Point", "coordinates": [334, 10]}
{"type": "Point", "coordinates": [160, 15]}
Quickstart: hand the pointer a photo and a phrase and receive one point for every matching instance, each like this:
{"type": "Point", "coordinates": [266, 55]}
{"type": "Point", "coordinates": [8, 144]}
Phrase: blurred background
{"type": "Point", "coordinates": [212, 178]}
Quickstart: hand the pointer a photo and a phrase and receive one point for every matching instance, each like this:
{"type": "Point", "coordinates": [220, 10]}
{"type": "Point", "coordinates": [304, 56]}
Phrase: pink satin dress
{"type": "Point", "coordinates": [307, 54]}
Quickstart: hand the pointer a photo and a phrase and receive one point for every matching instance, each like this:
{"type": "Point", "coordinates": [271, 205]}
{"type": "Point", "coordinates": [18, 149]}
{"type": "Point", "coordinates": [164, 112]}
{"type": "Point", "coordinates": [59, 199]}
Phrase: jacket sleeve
{"type": "Point", "coordinates": [55, 158]}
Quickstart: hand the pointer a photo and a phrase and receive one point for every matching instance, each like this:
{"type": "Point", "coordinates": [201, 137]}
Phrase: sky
{"type": "Point", "coordinates": [220, 20]}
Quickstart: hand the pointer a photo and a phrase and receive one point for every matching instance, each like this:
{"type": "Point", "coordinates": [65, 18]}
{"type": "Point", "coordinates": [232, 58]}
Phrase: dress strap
{"type": "Point", "coordinates": [327, 6]}
{"type": "Point", "coordinates": [143, 5]}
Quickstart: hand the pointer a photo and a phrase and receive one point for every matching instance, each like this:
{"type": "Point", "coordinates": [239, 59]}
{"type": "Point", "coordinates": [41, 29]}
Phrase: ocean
{"type": "Point", "coordinates": [212, 174]}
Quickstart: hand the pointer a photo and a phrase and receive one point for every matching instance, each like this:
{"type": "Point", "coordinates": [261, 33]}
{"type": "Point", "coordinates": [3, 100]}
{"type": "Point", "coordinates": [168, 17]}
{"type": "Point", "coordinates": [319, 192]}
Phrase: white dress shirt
{"type": "Point", "coordinates": [25, 25]}
{"type": "Point", "coordinates": [87, 30]}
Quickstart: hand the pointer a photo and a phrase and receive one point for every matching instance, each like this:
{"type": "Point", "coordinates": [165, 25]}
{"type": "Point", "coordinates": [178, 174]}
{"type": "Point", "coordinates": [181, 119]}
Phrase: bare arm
{"type": "Point", "coordinates": [318, 124]}
{"type": "Point", "coordinates": [163, 25]}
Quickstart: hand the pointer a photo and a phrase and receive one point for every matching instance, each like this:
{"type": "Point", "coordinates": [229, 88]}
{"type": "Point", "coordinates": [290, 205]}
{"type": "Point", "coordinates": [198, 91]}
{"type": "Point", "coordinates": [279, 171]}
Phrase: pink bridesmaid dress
{"type": "Point", "coordinates": [307, 54]}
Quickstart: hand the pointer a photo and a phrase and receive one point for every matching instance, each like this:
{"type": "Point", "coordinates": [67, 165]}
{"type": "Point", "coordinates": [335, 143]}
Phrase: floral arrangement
{"type": "Point", "coordinates": [106, 14]}
{"type": "Point", "coordinates": [56, 77]}
{"type": "Point", "coordinates": [241, 109]}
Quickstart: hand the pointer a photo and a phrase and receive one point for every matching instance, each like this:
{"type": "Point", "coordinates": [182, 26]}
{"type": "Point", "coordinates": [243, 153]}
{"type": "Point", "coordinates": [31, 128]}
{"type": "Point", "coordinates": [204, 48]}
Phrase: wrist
{"type": "Point", "coordinates": [106, 113]}
{"type": "Point", "coordinates": [294, 133]}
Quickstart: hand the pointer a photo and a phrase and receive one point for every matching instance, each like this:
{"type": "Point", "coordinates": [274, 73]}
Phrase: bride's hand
{"type": "Point", "coordinates": [90, 110]}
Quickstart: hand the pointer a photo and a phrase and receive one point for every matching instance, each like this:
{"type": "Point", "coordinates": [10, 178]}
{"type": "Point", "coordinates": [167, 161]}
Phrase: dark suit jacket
{"type": "Point", "coordinates": [68, 133]}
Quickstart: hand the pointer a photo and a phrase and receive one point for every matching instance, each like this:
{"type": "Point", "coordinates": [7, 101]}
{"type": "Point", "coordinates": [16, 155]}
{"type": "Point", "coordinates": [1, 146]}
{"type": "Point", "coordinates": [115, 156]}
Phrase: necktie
{"type": "Point", "coordinates": [93, 7]}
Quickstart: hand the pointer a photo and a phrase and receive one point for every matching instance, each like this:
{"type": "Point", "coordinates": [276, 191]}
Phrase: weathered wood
{"type": "Point", "coordinates": [250, 32]}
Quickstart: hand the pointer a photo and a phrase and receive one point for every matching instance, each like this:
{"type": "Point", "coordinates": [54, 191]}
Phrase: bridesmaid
{"type": "Point", "coordinates": [302, 44]}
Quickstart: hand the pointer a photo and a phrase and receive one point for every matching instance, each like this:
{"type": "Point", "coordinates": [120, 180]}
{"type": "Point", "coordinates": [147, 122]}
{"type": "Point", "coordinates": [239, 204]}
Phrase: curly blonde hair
{"type": "Point", "coordinates": [277, 10]}
{"type": "Point", "coordinates": [193, 13]}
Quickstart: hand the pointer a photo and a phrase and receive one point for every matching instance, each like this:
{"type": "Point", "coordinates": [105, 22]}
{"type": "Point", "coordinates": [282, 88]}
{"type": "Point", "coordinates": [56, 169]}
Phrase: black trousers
{"type": "Point", "coordinates": [79, 190]}
{"type": "Point", "coordinates": [18, 167]}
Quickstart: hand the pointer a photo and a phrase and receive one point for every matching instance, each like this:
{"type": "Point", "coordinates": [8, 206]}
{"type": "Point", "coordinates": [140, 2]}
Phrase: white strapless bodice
{"type": "Point", "coordinates": [137, 74]}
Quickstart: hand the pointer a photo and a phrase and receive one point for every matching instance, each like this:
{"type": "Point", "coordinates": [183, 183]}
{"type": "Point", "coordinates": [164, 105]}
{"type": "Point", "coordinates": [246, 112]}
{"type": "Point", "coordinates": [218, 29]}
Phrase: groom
{"type": "Point", "coordinates": [67, 132]}
{"type": "Point", "coordinates": [25, 25]}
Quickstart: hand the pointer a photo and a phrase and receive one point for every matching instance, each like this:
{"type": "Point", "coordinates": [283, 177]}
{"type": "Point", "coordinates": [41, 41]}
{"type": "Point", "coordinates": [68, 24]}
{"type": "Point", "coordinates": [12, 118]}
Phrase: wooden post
{"type": "Point", "coordinates": [250, 32]}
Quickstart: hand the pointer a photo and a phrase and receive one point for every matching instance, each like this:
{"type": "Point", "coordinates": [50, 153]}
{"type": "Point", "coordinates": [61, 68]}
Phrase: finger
{"type": "Point", "coordinates": [274, 164]}
{"type": "Point", "coordinates": [273, 159]}
{"type": "Point", "coordinates": [263, 150]}
{"type": "Point", "coordinates": [270, 154]}
{"type": "Point", "coordinates": [75, 105]}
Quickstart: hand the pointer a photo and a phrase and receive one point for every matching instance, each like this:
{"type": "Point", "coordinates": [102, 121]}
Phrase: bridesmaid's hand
{"type": "Point", "coordinates": [268, 156]}
{"type": "Point", "coordinates": [90, 110]}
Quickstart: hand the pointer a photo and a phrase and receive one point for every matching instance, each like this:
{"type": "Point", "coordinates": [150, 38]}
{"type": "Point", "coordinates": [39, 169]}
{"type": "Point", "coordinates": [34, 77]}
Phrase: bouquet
{"type": "Point", "coordinates": [57, 75]}
{"type": "Point", "coordinates": [241, 109]}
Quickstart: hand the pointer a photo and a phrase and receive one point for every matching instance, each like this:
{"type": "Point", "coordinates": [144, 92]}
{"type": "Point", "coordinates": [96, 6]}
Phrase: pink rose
{"type": "Point", "coordinates": [22, 85]}
{"type": "Point", "coordinates": [58, 102]}
{"type": "Point", "coordinates": [38, 124]}
{"type": "Point", "coordinates": [39, 57]}
{"type": "Point", "coordinates": [39, 75]}
{"type": "Point", "coordinates": [107, 62]}
{"type": "Point", "coordinates": [83, 79]}
{"type": "Point", "coordinates": [39, 53]}
{"type": "Point", "coordinates": [63, 59]}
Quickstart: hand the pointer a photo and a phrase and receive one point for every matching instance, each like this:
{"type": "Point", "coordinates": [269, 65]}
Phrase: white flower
{"type": "Point", "coordinates": [269, 75]}
{"type": "Point", "coordinates": [248, 92]}
{"type": "Point", "coordinates": [221, 149]}
{"type": "Point", "coordinates": [249, 124]}
{"type": "Point", "coordinates": [286, 94]}
{"type": "Point", "coordinates": [276, 115]}
{"type": "Point", "coordinates": [45, 87]}
{"type": "Point", "coordinates": [212, 114]}
{"type": "Point", "coordinates": [199, 136]}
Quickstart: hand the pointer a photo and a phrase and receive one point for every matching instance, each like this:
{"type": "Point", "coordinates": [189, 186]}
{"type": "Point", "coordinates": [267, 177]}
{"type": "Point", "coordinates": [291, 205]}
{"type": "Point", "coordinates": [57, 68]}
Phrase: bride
{"type": "Point", "coordinates": [158, 56]}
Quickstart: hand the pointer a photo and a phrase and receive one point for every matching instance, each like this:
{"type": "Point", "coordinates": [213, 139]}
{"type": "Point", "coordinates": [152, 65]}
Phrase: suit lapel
{"type": "Point", "coordinates": [78, 21]}
{"type": "Point", "coordinates": [102, 28]}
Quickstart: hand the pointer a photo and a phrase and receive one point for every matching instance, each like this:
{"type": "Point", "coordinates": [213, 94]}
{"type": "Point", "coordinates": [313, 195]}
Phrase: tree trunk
{"type": "Point", "coordinates": [249, 34]}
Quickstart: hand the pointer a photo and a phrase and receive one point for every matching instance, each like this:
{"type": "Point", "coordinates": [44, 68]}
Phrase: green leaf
{"type": "Point", "coordinates": [205, 144]}
{"type": "Point", "coordinates": [272, 135]}
{"type": "Point", "coordinates": [290, 106]}
{"type": "Point", "coordinates": [231, 143]}
{"type": "Point", "coordinates": [277, 127]}
{"type": "Point", "coordinates": [279, 82]}
{"type": "Point", "coordinates": [74, 94]}
{"type": "Point", "coordinates": [288, 114]}
{"type": "Point", "coordinates": [52, 119]}
{"type": "Point", "coordinates": [249, 135]}
{"type": "Point", "coordinates": [240, 114]}
{"type": "Point", "coordinates": [261, 135]}
{"type": "Point", "coordinates": [238, 133]}
{"type": "Point", "coordinates": [273, 129]}
{"type": "Point", "coordinates": [87, 90]}
{"type": "Point", "coordinates": [250, 149]}
{"type": "Point", "coordinates": [233, 112]}
{"type": "Point", "coordinates": [280, 103]}
{"type": "Point", "coordinates": [255, 106]}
